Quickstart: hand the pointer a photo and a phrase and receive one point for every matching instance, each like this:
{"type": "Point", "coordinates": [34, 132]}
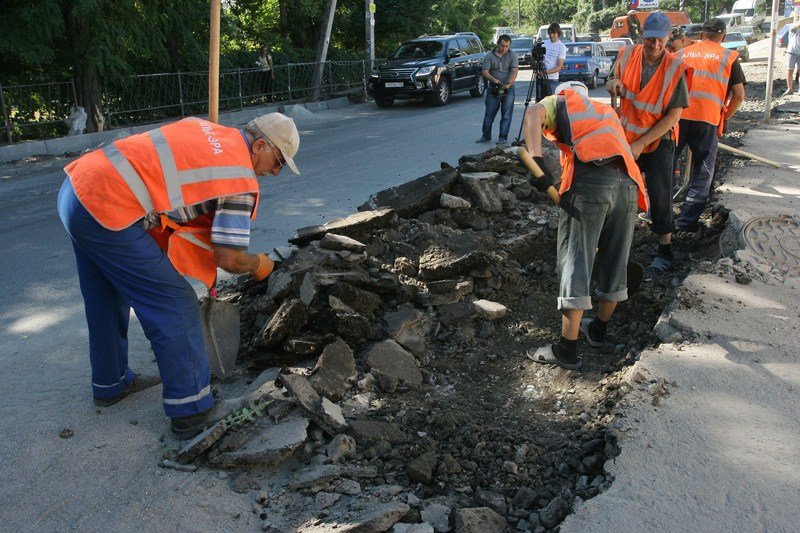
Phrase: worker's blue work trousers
{"type": "Point", "coordinates": [701, 138]}
{"type": "Point", "coordinates": [120, 270]}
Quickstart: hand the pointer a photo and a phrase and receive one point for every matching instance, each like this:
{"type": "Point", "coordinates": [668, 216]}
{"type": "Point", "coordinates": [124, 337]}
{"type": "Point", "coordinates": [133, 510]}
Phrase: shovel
{"type": "Point", "coordinates": [220, 320]}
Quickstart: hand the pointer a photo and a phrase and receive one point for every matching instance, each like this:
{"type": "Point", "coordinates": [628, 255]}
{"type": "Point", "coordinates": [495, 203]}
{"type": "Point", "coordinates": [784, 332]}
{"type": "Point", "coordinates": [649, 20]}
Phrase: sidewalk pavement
{"type": "Point", "coordinates": [721, 452]}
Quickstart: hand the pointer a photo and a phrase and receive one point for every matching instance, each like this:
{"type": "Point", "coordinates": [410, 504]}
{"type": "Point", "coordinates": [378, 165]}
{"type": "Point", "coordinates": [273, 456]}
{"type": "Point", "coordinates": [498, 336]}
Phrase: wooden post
{"type": "Point", "coordinates": [213, 62]}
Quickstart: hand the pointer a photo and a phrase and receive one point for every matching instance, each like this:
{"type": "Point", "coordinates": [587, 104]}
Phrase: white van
{"type": "Point", "coordinates": [734, 20]}
{"type": "Point", "coordinates": [502, 30]}
{"type": "Point", "coordinates": [753, 11]}
{"type": "Point", "coordinates": [567, 33]}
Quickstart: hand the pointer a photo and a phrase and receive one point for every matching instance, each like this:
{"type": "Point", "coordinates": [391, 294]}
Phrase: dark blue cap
{"type": "Point", "coordinates": [656, 25]}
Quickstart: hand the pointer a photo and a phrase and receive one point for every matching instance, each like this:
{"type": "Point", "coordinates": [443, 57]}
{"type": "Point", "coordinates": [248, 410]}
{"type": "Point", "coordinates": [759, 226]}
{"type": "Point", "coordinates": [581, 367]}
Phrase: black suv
{"type": "Point", "coordinates": [431, 67]}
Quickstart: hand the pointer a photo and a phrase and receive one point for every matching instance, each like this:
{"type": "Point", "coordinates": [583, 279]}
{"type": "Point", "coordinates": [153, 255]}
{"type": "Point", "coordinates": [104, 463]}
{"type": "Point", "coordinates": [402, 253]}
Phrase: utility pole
{"type": "Point", "coordinates": [519, 15]}
{"type": "Point", "coordinates": [213, 62]}
{"type": "Point", "coordinates": [705, 11]}
{"type": "Point", "coordinates": [369, 6]}
{"type": "Point", "coordinates": [771, 62]}
{"type": "Point", "coordinates": [322, 46]}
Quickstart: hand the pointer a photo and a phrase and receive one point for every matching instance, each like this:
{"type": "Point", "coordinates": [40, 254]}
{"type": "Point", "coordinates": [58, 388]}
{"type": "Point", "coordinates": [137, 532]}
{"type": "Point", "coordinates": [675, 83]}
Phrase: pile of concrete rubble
{"type": "Point", "coordinates": [352, 341]}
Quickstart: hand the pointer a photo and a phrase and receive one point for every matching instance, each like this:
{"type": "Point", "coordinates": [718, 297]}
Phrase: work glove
{"type": "Point", "coordinates": [545, 181]}
{"type": "Point", "coordinates": [264, 269]}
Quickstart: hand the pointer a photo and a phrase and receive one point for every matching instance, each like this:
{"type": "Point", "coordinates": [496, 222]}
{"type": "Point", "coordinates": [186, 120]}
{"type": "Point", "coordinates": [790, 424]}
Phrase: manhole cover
{"type": "Point", "coordinates": [776, 239]}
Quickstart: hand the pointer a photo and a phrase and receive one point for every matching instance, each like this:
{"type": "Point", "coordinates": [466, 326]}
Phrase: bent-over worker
{"type": "Point", "coordinates": [145, 211]}
{"type": "Point", "coordinates": [601, 186]}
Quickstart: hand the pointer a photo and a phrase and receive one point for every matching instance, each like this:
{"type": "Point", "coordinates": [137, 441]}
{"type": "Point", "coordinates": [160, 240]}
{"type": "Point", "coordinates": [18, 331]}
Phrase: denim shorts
{"type": "Point", "coordinates": [597, 219]}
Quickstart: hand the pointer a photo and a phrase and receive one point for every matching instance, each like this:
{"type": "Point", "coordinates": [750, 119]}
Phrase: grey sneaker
{"type": "Point", "coordinates": [483, 140]}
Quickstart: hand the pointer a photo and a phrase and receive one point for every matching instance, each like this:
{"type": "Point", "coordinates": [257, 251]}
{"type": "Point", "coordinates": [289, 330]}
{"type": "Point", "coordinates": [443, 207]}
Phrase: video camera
{"type": "Point", "coordinates": [496, 90]}
{"type": "Point", "coordinates": [538, 51]}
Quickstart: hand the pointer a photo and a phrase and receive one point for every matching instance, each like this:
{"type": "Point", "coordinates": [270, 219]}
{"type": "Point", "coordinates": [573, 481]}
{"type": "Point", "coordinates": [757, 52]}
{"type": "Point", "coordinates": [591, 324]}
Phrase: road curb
{"type": "Point", "coordinates": [78, 143]}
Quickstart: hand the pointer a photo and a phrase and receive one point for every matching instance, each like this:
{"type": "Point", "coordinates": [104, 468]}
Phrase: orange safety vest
{"type": "Point", "coordinates": [640, 110]}
{"type": "Point", "coordinates": [712, 66]}
{"type": "Point", "coordinates": [597, 133]}
{"type": "Point", "coordinates": [177, 165]}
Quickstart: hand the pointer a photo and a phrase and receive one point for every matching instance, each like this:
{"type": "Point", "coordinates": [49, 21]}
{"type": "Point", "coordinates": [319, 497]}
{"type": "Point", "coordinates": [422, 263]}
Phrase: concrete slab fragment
{"type": "Point", "coordinates": [290, 317]}
{"type": "Point", "coordinates": [389, 359]}
{"type": "Point", "coordinates": [408, 326]}
{"type": "Point", "coordinates": [490, 310]}
{"type": "Point", "coordinates": [271, 446]}
{"type": "Point", "coordinates": [378, 519]}
{"type": "Point", "coordinates": [414, 197]}
{"type": "Point", "coordinates": [202, 442]}
{"type": "Point", "coordinates": [479, 520]}
{"type": "Point", "coordinates": [355, 225]}
{"type": "Point", "coordinates": [334, 370]}
{"type": "Point", "coordinates": [332, 241]}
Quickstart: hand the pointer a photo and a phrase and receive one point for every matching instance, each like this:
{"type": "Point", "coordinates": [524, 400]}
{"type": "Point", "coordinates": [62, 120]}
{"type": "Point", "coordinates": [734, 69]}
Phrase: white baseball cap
{"type": "Point", "coordinates": [576, 86]}
{"type": "Point", "coordinates": [282, 132]}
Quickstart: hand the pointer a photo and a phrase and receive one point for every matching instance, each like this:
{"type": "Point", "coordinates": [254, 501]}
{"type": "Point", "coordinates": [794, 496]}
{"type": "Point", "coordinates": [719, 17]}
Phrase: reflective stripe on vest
{"type": "Point", "coordinates": [712, 66]}
{"type": "Point", "coordinates": [596, 134]}
{"type": "Point", "coordinates": [131, 177]}
{"type": "Point", "coordinates": [173, 178]}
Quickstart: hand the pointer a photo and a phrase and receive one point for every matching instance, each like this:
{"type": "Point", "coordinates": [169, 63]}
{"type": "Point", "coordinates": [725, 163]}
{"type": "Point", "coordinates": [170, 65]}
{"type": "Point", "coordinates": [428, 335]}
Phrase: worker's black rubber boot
{"type": "Point", "coordinates": [190, 426]}
{"type": "Point", "coordinates": [140, 382]}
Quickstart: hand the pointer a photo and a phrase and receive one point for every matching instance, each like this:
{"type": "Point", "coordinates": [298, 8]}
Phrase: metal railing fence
{"type": "Point", "coordinates": [35, 110]}
{"type": "Point", "coordinates": [39, 111]}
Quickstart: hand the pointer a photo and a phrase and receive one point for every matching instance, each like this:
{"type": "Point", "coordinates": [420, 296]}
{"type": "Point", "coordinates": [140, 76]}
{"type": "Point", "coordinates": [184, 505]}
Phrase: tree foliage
{"type": "Point", "coordinates": [99, 42]}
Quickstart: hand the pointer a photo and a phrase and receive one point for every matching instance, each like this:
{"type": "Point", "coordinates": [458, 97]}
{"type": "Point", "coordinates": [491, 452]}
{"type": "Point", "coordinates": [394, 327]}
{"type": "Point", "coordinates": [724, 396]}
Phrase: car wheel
{"type": "Point", "coordinates": [592, 82]}
{"type": "Point", "coordinates": [479, 89]}
{"type": "Point", "coordinates": [442, 95]}
{"type": "Point", "coordinates": [383, 101]}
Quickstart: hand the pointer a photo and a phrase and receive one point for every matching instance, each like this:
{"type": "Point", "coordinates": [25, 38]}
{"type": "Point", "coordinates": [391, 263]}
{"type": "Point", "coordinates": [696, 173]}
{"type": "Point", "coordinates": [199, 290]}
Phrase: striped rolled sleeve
{"type": "Point", "coordinates": [231, 226]}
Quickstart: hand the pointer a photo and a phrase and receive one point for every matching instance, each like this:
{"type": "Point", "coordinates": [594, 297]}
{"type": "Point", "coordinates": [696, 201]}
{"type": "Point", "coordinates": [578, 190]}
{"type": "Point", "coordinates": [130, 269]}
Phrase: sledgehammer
{"type": "Point", "coordinates": [635, 272]}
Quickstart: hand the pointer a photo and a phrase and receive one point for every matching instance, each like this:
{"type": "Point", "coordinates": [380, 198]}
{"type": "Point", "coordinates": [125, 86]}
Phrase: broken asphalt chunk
{"type": "Point", "coordinates": [202, 442]}
{"type": "Point", "coordinates": [271, 446]}
{"type": "Point", "coordinates": [325, 413]}
{"type": "Point", "coordinates": [355, 225]}
{"type": "Point", "coordinates": [290, 317]}
{"type": "Point", "coordinates": [332, 241]}
{"type": "Point", "coordinates": [334, 371]}
{"type": "Point", "coordinates": [415, 197]}
{"type": "Point", "coordinates": [390, 360]}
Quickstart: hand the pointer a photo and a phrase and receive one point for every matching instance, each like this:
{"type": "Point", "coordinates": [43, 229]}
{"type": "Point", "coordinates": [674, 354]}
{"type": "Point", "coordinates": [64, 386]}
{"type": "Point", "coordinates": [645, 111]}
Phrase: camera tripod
{"type": "Point", "coordinates": [540, 85]}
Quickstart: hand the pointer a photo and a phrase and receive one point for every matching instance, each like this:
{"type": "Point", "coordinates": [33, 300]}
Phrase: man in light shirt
{"type": "Point", "coordinates": [792, 57]}
{"type": "Point", "coordinates": [555, 55]}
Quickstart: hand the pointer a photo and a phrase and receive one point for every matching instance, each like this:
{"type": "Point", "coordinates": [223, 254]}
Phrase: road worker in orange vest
{"type": "Point", "coordinates": [144, 212]}
{"type": "Point", "coordinates": [600, 188]}
{"type": "Point", "coordinates": [653, 88]}
{"type": "Point", "coordinates": [717, 93]}
{"type": "Point", "coordinates": [678, 40]}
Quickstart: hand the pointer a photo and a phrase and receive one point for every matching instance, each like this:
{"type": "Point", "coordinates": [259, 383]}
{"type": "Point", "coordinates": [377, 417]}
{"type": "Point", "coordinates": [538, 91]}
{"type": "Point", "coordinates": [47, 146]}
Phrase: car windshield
{"type": "Point", "coordinates": [732, 37]}
{"type": "Point", "coordinates": [419, 50]}
{"type": "Point", "coordinates": [579, 50]}
{"type": "Point", "coordinates": [745, 12]}
{"type": "Point", "coordinates": [522, 43]}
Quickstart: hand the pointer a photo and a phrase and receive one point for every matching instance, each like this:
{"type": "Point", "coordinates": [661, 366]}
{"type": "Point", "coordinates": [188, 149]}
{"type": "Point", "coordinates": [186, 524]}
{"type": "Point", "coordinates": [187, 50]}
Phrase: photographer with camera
{"type": "Point", "coordinates": [500, 68]}
{"type": "Point", "coordinates": [555, 54]}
